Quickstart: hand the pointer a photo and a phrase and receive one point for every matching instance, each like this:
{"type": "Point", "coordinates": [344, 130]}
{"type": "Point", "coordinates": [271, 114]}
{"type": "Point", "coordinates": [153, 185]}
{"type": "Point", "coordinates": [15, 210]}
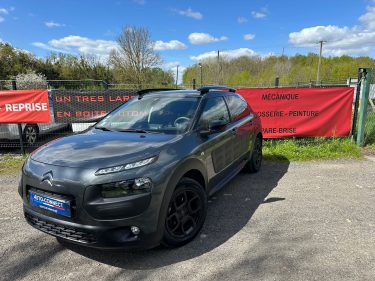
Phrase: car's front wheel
{"type": "Point", "coordinates": [186, 213]}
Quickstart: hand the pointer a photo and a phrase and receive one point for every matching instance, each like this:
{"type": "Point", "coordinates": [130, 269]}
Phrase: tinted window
{"type": "Point", "coordinates": [153, 113]}
{"type": "Point", "coordinates": [214, 109]}
{"type": "Point", "coordinates": [237, 106]}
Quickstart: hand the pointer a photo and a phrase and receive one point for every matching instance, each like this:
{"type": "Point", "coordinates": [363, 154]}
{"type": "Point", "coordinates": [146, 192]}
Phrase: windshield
{"type": "Point", "coordinates": [171, 115]}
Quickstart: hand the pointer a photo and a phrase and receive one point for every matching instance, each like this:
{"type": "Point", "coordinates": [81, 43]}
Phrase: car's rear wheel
{"type": "Point", "coordinates": [255, 162]}
{"type": "Point", "coordinates": [186, 213]}
{"type": "Point", "coordinates": [30, 134]}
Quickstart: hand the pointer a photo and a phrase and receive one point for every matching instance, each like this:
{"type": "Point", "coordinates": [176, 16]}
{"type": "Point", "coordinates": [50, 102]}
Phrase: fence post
{"type": "Point", "coordinates": [356, 104]}
{"type": "Point", "coordinates": [277, 82]}
{"type": "Point", "coordinates": [105, 84]}
{"type": "Point", "coordinates": [363, 106]}
{"type": "Point", "coordinates": [14, 87]}
{"type": "Point", "coordinates": [194, 84]}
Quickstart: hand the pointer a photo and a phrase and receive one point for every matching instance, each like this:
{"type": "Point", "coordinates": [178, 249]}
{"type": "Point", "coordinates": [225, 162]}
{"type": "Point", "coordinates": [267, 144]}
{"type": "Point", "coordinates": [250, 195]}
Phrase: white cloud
{"type": "Point", "coordinates": [171, 45]}
{"type": "Point", "coordinates": [368, 19]}
{"type": "Point", "coordinates": [356, 40]}
{"type": "Point", "coordinates": [241, 20]}
{"type": "Point", "coordinates": [4, 11]}
{"type": "Point", "coordinates": [52, 24]}
{"type": "Point", "coordinates": [228, 53]}
{"type": "Point", "coordinates": [2, 41]}
{"type": "Point", "coordinates": [204, 38]}
{"type": "Point", "coordinates": [249, 37]}
{"type": "Point", "coordinates": [49, 48]}
{"type": "Point", "coordinates": [84, 45]}
{"type": "Point", "coordinates": [78, 44]}
{"type": "Point", "coordinates": [190, 13]}
{"type": "Point", "coordinates": [259, 14]}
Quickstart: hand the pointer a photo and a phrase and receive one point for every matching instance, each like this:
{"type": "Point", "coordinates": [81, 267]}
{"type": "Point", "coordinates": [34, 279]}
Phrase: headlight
{"type": "Point", "coordinates": [125, 188]}
{"type": "Point", "coordinates": [129, 166]}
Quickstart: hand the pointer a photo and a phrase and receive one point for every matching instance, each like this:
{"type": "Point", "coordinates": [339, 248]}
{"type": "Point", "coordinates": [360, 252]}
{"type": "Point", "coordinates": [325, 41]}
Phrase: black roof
{"type": "Point", "coordinates": [201, 91]}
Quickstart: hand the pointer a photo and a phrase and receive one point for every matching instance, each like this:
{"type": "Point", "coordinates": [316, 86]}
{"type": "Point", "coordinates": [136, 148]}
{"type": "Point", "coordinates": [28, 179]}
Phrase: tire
{"type": "Point", "coordinates": [255, 162]}
{"type": "Point", "coordinates": [186, 213]}
{"type": "Point", "coordinates": [30, 134]}
{"type": "Point", "coordinates": [69, 129]}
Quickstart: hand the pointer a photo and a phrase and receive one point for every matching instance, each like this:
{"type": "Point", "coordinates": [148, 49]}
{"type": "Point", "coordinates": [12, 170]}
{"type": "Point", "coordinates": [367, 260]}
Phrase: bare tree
{"type": "Point", "coordinates": [135, 54]}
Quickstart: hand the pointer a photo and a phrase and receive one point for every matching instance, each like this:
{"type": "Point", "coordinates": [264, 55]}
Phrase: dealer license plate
{"type": "Point", "coordinates": [58, 206]}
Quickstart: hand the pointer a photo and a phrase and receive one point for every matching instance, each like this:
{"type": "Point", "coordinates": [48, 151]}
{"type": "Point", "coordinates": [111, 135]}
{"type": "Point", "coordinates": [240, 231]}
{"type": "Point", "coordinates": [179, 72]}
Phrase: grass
{"type": "Point", "coordinates": [370, 128]}
{"type": "Point", "coordinates": [311, 149]}
{"type": "Point", "coordinates": [371, 147]}
{"type": "Point", "coordinates": [11, 164]}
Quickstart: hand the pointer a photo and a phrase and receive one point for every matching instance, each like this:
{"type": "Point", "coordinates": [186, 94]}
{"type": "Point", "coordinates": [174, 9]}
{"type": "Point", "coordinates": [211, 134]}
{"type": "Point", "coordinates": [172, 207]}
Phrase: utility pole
{"type": "Point", "coordinates": [177, 76]}
{"type": "Point", "coordinates": [320, 60]}
{"type": "Point", "coordinates": [200, 67]}
{"type": "Point", "coordinates": [218, 68]}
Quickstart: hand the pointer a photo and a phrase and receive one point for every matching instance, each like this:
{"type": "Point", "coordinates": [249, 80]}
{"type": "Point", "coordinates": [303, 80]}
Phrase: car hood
{"type": "Point", "coordinates": [100, 149]}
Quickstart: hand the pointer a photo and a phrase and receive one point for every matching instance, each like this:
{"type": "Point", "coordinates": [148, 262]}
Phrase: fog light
{"type": "Point", "coordinates": [142, 183]}
{"type": "Point", "coordinates": [135, 230]}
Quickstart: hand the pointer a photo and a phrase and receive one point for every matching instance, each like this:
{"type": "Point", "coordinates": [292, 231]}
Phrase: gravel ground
{"type": "Point", "coordinates": [291, 221]}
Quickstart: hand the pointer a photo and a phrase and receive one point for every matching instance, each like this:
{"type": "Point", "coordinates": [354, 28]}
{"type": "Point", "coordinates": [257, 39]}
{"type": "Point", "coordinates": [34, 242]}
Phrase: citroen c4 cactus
{"type": "Point", "coordinates": [142, 175]}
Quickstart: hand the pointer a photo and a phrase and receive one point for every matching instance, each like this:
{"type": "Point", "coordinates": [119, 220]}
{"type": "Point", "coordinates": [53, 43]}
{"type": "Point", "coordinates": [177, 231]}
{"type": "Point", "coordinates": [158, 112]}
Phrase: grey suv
{"type": "Point", "coordinates": [142, 175]}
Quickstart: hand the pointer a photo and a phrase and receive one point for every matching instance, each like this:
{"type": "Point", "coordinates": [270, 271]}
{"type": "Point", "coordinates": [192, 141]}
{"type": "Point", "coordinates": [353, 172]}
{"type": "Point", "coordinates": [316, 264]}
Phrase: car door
{"type": "Point", "coordinates": [217, 145]}
{"type": "Point", "coordinates": [242, 124]}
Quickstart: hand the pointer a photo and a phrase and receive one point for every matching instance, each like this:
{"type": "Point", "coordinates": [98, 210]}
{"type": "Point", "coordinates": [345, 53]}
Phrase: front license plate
{"type": "Point", "coordinates": [58, 206]}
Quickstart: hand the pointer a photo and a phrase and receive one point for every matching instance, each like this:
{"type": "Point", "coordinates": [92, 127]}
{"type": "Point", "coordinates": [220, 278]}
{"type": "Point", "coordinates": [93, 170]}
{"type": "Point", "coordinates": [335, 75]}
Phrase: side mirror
{"type": "Point", "coordinates": [214, 127]}
{"type": "Point", "coordinates": [217, 125]}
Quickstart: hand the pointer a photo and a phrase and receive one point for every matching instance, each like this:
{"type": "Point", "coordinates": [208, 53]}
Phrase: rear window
{"type": "Point", "coordinates": [238, 107]}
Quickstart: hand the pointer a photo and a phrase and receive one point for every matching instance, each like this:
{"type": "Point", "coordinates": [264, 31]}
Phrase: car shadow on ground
{"type": "Point", "coordinates": [229, 211]}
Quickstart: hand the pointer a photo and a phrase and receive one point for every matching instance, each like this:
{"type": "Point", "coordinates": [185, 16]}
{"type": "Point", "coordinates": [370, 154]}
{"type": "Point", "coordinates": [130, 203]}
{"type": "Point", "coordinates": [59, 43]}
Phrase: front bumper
{"type": "Point", "coordinates": [102, 237]}
{"type": "Point", "coordinates": [94, 222]}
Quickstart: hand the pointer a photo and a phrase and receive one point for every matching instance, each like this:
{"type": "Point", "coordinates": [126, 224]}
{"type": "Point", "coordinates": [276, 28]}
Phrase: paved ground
{"type": "Point", "coordinates": [297, 221]}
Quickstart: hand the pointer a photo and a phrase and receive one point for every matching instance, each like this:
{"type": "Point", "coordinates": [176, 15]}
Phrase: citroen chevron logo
{"type": "Point", "coordinates": [47, 178]}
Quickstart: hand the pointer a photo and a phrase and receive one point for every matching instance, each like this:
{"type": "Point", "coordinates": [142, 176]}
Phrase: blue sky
{"type": "Point", "coordinates": [186, 31]}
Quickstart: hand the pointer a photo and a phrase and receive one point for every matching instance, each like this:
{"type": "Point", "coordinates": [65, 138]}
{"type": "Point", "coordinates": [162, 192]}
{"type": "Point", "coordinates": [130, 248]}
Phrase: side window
{"type": "Point", "coordinates": [214, 109]}
{"type": "Point", "coordinates": [237, 106]}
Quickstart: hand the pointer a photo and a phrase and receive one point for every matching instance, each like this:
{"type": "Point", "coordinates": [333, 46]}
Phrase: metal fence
{"type": "Point", "coordinates": [34, 135]}
{"type": "Point", "coordinates": [369, 100]}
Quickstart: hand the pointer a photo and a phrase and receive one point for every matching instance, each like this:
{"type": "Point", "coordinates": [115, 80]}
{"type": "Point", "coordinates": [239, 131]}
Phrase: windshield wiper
{"type": "Point", "coordinates": [102, 128]}
{"type": "Point", "coordinates": [133, 131]}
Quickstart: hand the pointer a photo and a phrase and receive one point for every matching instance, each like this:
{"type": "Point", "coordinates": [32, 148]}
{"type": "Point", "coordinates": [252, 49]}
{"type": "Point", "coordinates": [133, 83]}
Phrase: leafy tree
{"type": "Point", "coordinates": [261, 71]}
{"type": "Point", "coordinates": [135, 54]}
{"type": "Point", "coordinates": [31, 80]}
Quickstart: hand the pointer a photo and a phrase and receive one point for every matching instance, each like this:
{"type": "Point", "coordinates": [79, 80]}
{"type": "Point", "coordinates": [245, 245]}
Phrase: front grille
{"type": "Point", "coordinates": [60, 230]}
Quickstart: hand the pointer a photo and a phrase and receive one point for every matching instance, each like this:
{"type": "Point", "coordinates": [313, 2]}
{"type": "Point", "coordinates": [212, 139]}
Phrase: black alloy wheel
{"type": "Point", "coordinates": [255, 162]}
{"type": "Point", "coordinates": [186, 213]}
{"type": "Point", "coordinates": [30, 134]}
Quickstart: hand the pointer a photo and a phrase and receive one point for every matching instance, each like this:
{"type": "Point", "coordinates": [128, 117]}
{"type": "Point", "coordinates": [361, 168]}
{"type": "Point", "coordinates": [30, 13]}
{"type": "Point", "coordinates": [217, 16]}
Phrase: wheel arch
{"type": "Point", "coordinates": [189, 168]}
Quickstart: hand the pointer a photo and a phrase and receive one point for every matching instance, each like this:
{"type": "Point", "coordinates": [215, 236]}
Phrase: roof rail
{"type": "Point", "coordinates": [141, 93]}
{"type": "Point", "coordinates": [206, 89]}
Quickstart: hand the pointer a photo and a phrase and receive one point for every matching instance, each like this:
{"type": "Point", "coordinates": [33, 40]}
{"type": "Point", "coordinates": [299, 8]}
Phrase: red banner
{"type": "Point", "coordinates": [302, 112]}
{"type": "Point", "coordinates": [24, 106]}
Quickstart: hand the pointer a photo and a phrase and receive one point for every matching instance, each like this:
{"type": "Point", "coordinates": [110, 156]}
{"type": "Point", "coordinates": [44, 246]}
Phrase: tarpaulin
{"type": "Point", "coordinates": [71, 106]}
{"type": "Point", "coordinates": [24, 106]}
{"type": "Point", "coordinates": [302, 112]}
